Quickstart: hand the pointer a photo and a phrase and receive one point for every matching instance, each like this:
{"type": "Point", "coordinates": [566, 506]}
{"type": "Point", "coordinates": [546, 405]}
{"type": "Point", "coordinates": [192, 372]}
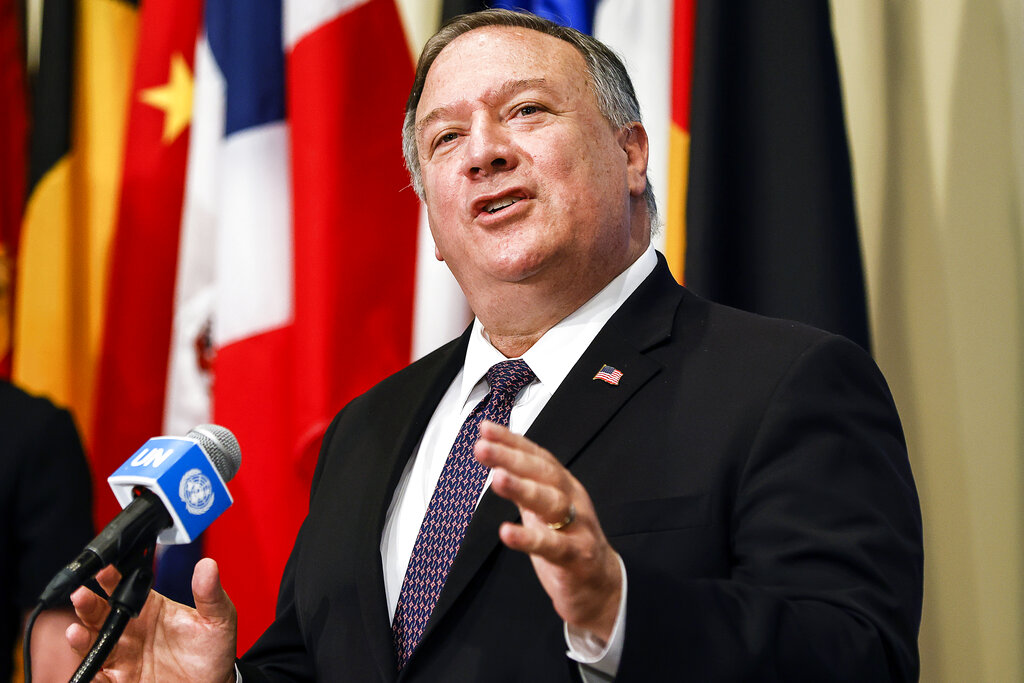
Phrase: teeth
{"type": "Point", "coordinates": [499, 204]}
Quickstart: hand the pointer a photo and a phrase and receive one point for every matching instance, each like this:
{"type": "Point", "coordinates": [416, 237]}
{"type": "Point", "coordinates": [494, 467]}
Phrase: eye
{"type": "Point", "coordinates": [527, 110]}
{"type": "Point", "coordinates": [446, 138]}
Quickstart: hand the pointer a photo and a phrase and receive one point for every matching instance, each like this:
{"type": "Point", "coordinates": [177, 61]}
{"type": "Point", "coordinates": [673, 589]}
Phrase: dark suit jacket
{"type": "Point", "coordinates": [752, 474]}
{"type": "Point", "coordinates": [45, 504]}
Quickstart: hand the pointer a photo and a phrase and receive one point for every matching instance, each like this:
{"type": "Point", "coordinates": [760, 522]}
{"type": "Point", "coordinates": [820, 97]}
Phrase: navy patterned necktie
{"type": "Point", "coordinates": [451, 507]}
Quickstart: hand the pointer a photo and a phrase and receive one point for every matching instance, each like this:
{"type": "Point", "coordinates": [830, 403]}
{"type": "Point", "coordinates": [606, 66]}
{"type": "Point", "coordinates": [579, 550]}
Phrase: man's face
{"type": "Point", "coordinates": [525, 181]}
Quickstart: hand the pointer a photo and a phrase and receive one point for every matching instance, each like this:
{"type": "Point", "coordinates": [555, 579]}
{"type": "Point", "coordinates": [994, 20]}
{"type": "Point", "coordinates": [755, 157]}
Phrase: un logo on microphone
{"type": "Point", "coordinates": [196, 491]}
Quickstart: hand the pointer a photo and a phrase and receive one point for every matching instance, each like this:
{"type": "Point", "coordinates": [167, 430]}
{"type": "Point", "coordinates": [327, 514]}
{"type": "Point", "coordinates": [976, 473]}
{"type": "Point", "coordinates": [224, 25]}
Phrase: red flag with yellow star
{"type": "Point", "coordinates": [133, 364]}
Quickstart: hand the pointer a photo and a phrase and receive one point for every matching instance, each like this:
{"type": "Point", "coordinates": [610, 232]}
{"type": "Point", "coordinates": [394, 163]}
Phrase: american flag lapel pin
{"type": "Point", "coordinates": [609, 374]}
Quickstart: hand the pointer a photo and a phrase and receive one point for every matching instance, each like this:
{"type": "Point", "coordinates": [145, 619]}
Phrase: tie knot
{"type": "Point", "coordinates": [508, 377]}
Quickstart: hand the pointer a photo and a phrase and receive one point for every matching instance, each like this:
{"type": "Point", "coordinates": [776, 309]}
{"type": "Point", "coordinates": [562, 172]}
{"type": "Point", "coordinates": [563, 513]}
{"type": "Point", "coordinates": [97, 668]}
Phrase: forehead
{"type": "Point", "coordinates": [490, 56]}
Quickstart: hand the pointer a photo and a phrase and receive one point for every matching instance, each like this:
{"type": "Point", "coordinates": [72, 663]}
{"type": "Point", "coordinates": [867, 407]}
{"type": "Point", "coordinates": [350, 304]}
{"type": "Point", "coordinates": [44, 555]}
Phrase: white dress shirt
{"type": "Point", "coordinates": [550, 358]}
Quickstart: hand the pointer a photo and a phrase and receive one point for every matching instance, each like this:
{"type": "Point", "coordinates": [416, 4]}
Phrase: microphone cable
{"type": "Point", "coordinates": [126, 603]}
{"type": "Point", "coordinates": [26, 640]}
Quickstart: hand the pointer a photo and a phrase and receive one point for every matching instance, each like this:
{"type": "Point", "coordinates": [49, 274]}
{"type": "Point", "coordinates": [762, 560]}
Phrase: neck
{"type": "Point", "coordinates": [512, 345]}
{"type": "Point", "coordinates": [517, 315]}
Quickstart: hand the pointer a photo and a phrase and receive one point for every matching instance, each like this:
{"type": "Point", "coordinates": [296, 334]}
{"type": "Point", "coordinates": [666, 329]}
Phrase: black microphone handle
{"type": "Point", "coordinates": [137, 525]}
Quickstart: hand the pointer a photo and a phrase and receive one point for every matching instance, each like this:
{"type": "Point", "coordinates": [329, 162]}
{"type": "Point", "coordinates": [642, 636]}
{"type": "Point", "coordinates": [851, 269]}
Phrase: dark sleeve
{"type": "Point", "coordinates": [825, 540]}
{"type": "Point", "coordinates": [53, 507]}
{"type": "Point", "coordinates": [280, 654]}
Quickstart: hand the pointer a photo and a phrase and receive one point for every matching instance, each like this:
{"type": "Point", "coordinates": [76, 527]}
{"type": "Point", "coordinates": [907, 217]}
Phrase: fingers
{"type": "Point", "coordinates": [79, 638]}
{"type": "Point", "coordinates": [558, 521]}
{"type": "Point", "coordinates": [108, 578]}
{"type": "Point", "coordinates": [212, 602]}
{"type": "Point", "coordinates": [575, 563]}
{"type": "Point", "coordinates": [540, 541]}
{"type": "Point", "coordinates": [525, 473]}
{"type": "Point", "coordinates": [492, 432]}
{"type": "Point", "coordinates": [90, 608]}
{"type": "Point", "coordinates": [548, 503]}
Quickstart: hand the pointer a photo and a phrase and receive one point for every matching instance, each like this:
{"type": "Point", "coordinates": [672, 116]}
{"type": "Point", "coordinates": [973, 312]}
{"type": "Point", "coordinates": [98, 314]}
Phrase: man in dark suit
{"type": "Point", "coordinates": [45, 504]}
{"type": "Point", "coordinates": [682, 491]}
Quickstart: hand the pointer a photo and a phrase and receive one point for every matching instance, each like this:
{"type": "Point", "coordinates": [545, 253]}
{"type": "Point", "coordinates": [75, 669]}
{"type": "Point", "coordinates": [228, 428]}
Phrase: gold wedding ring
{"type": "Point", "coordinates": [569, 518]}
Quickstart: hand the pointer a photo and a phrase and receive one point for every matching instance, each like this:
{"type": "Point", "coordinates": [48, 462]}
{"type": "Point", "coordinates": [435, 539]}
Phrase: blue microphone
{"type": "Point", "coordinates": [171, 489]}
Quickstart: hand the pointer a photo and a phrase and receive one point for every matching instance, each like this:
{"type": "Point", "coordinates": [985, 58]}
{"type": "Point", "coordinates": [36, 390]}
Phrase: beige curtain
{"type": "Point", "coordinates": [934, 95]}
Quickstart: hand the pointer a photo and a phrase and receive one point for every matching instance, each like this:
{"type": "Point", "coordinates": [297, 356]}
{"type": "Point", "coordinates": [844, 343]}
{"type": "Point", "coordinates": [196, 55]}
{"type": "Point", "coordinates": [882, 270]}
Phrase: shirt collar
{"type": "Point", "coordinates": [554, 354]}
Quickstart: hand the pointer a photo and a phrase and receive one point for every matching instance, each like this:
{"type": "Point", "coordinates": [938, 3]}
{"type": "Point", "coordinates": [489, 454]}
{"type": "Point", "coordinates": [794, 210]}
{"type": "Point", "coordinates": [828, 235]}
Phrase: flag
{"type": "Point", "coordinates": [674, 196]}
{"type": "Point", "coordinates": [296, 257]}
{"type": "Point", "coordinates": [646, 34]}
{"type": "Point", "coordinates": [440, 310]}
{"type": "Point", "coordinates": [13, 164]}
{"type": "Point", "coordinates": [453, 8]}
{"type": "Point", "coordinates": [236, 219]}
{"type": "Point", "coordinates": [579, 14]}
{"type": "Point", "coordinates": [78, 114]}
{"type": "Point", "coordinates": [133, 367]}
{"type": "Point", "coordinates": [609, 374]}
{"type": "Point", "coordinates": [131, 381]}
{"type": "Point", "coordinates": [771, 226]}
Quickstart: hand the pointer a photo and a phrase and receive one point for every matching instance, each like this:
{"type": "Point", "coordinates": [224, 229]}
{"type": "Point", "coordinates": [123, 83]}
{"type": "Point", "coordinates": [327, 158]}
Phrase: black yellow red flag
{"type": "Point", "coordinates": [78, 112]}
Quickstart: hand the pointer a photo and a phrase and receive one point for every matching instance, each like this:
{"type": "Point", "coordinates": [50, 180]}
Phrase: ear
{"type": "Point", "coordinates": [425, 213]}
{"type": "Point", "coordinates": [633, 140]}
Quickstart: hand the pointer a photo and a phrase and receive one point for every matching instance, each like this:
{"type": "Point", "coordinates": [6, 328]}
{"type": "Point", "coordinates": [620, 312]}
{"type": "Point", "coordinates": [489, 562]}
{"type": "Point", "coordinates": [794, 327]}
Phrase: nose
{"type": "Point", "coordinates": [490, 149]}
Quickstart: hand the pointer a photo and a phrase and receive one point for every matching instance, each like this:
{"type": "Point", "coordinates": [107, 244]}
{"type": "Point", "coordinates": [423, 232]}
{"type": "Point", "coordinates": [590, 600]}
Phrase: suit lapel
{"type": "Point", "coordinates": [577, 411]}
{"type": "Point", "coordinates": [382, 482]}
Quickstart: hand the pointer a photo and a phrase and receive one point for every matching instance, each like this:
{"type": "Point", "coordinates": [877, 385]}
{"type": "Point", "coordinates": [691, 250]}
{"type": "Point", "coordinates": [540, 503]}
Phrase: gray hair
{"type": "Point", "coordinates": [608, 77]}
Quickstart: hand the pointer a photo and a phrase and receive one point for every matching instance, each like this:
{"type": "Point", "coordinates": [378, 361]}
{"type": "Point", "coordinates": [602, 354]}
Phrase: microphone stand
{"type": "Point", "coordinates": [126, 603]}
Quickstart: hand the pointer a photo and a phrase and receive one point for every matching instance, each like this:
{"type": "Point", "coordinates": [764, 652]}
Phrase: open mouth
{"type": "Point", "coordinates": [497, 205]}
{"type": "Point", "coordinates": [498, 201]}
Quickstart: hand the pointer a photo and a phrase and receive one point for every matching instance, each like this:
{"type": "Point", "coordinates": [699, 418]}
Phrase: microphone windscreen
{"type": "Point", "coordinates": [221, 446]}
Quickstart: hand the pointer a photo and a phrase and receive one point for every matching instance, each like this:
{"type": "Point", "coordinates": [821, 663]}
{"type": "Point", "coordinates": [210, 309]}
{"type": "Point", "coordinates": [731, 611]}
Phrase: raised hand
{"type": "Point", "coordinates": [168, 641]}
{"type": "Point", "coordinates": [559, 530]}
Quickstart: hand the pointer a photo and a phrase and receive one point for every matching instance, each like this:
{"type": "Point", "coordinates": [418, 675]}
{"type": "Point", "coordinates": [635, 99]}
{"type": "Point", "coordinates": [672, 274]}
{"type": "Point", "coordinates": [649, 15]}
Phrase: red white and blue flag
{"type": "Point", "coordinates": [609, 374]}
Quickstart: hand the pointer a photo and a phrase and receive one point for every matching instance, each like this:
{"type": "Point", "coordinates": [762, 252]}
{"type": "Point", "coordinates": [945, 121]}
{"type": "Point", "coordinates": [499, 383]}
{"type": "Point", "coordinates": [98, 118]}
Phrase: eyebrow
{"type": "Point", "coordinates": [506, 90]}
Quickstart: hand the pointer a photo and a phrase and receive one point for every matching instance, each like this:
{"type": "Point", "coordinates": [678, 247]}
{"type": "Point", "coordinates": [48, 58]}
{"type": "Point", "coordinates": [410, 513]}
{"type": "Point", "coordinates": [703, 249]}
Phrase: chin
{"type": "Point", "coordinates": [519, 264]}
